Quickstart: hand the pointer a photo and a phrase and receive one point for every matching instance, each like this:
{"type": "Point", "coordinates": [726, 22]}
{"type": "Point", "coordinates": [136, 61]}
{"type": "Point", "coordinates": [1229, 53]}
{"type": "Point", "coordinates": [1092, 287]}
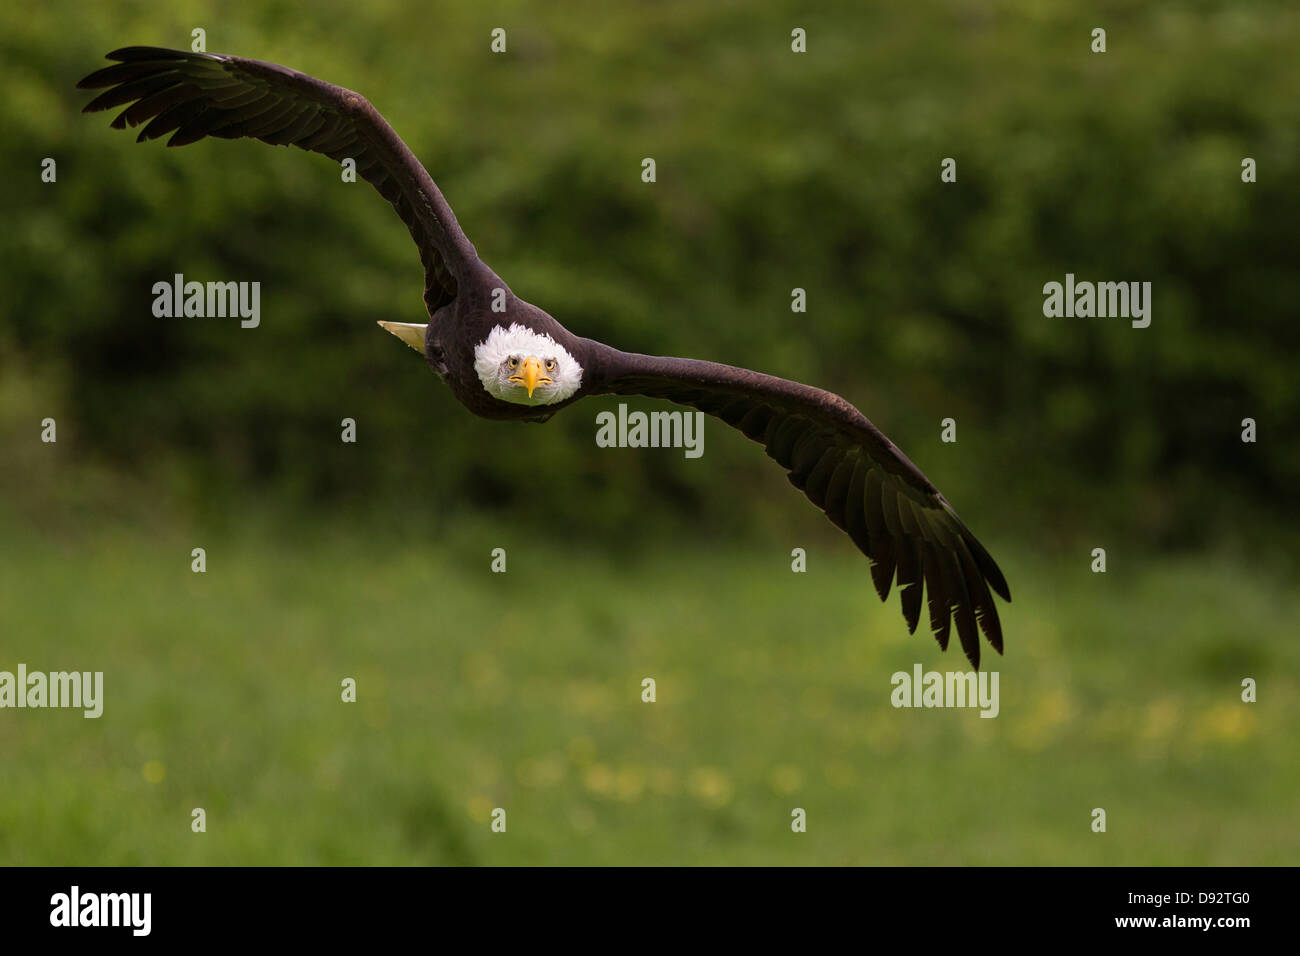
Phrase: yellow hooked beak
{"type": "Point", "coordinates": [530, 374]}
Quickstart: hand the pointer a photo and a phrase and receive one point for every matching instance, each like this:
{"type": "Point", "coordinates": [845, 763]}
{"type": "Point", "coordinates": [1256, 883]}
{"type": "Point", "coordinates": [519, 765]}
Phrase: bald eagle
{"type": "Point", "coordinates": [505, 358]}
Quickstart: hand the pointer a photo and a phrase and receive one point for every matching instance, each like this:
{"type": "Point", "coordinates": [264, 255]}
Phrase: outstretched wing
{"type": "Point", "coordinates": [192, 95]}
{"type": "Point", "coordinates": [848, 469]}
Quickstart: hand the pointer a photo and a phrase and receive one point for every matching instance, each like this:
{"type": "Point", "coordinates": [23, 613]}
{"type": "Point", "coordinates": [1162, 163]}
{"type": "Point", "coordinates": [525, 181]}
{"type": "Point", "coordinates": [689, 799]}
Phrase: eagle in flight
{"type": "Point", "coordinates": [505, 358]}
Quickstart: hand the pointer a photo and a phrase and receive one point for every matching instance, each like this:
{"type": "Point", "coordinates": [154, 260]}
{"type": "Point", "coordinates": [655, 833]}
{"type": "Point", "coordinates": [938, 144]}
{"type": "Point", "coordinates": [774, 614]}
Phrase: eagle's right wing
{"type": "Point", "coordinates": [192, 95]}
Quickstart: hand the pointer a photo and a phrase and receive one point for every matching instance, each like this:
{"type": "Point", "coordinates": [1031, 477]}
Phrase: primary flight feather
{"type": "Point", "coordinates": [520, 363]}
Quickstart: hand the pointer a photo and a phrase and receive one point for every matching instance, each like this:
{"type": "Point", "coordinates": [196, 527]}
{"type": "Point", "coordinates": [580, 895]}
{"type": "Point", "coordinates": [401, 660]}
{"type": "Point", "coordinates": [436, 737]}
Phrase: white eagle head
{"type": "Point", "coordinates": [525, 367]}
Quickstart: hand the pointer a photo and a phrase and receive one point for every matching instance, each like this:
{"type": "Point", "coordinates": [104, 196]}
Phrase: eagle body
{"type": "Point", "coordinates": [456, 329]}
{"type": "Point", "coordinates": [505, 358]}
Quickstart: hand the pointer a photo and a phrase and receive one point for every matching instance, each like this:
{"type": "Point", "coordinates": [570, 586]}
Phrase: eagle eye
{"type": "Point", "coordinates": [550, 365]}
{"type": "Point", "coordinates": [513, 361]}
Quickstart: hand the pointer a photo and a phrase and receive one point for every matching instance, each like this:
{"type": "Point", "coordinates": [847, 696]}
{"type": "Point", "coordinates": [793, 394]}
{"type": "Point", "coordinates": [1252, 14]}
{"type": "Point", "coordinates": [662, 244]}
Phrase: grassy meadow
{"type": "Point", "coordinates": [522, 691]}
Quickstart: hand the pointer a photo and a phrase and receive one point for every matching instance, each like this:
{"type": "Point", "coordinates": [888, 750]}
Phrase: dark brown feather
{"type": "Point", "coordinates": [846, 467]}
{"type": "Point", "coordinates": [194, 95]}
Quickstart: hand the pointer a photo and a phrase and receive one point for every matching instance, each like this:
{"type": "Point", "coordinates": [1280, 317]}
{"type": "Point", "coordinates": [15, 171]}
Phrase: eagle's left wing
{"type": "Point", "coordinates": [848, 469]}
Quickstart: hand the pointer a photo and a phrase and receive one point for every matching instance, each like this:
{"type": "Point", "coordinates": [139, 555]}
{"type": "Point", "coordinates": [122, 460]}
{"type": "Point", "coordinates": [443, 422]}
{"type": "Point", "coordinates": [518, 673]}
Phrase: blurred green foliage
{"type": "Point", "coordinates": [775, 171]}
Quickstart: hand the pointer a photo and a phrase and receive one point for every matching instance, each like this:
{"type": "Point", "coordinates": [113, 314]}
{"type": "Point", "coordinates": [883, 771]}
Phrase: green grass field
{"type": "Point", "coordinates": [523, 691]}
